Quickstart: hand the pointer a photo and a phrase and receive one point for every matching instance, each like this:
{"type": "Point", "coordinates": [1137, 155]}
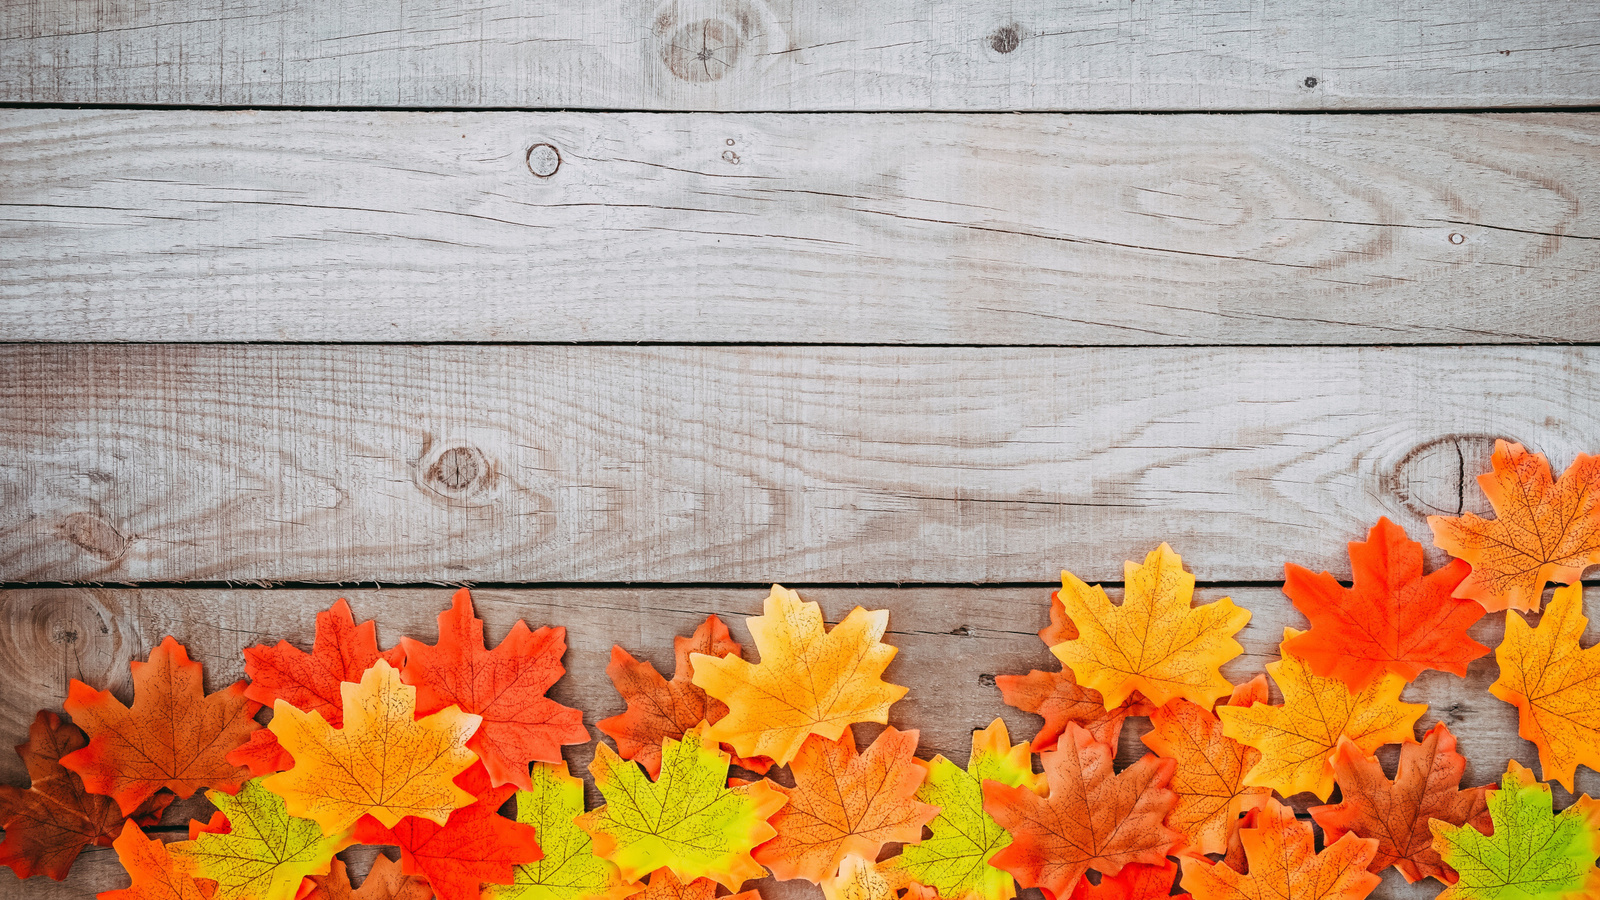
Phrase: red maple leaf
{"type": "Point", "coordinates": [1136, 881]}
{"type": "Point", "coordinates": [341, 651]}
{"type": "Point", "coordinates": [505, 686]}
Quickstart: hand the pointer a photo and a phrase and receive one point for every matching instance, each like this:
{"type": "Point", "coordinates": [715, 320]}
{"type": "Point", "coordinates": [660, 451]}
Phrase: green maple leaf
{"type": "Point", "coordinates": [1532, 853]}
{"type": "Point", "coordinates": [569, 870]}
{"type": "Point", "coordinates": [688, 820]}
{"type": "Point", "coordinates": [954, 861]}
{"type": "Point", "coordinates": [266, 853]}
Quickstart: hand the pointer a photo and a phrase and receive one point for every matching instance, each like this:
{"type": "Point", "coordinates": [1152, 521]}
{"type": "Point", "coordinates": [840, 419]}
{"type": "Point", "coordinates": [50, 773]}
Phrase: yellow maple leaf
{"type": "Point", "coordinates": [1156, 642]}
{"type": "Point", "coordinates": [1552, 682]}
{"type": "Point", "coordinates": [809, 680]}
{"type": "Point", "coordinates": [1298, 739]}
{"type": "Point", "coordinates": [384, 762]}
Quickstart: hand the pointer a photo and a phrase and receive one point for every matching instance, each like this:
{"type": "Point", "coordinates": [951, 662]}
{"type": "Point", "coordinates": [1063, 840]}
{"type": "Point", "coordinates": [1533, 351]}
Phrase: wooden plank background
{"type": "Point", "coordinates": [306, 294]}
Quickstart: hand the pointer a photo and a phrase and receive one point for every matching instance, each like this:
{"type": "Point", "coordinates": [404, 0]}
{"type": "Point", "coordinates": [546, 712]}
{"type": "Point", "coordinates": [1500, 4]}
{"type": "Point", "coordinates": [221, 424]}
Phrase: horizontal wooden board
{"type": "Point", "coordinates": [361, 463]}
{"type": "Point", "coordinates": [804, 54]}
{"type": "Point", "coordinates": [196, 226]}
{"type": "Point", "coordinates": [952, 642]}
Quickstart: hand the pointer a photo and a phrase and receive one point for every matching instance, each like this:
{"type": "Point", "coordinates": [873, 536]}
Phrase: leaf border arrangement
{"type": "Point", "coordinates": [734, 769]}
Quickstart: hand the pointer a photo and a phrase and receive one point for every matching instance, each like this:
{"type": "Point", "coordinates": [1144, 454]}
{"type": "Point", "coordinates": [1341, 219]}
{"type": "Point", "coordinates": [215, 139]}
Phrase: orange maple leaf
{"type": "Point", "coordinates": [156, 874]}
{"type": "Point", "coordinates": [1555, 685]}
{"type": "Point", "coordinates": [1091, 818]}
{"type": "Point", "coordinates": [1427, 785]}
{"type": "Point", "coordinates": [175, 735]}
{"type": "Point", "coordinates": [1209, 779]}
{"type": "Point", "coordinates": [1284, 864]}
{"type": "Point", "coordinates": [1136, 881]}
{"type": "Point", "coordinates": [1545, 530]}
{"type": "Point", "coordinates": [844, 803]}
{"type": "Point", "coordinates": [664, 885]}
{"type": "Point", "coordinates": [385, 881]}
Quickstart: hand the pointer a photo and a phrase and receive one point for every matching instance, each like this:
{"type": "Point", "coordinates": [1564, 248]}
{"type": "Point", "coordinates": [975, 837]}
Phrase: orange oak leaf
{"type": "Point", "coordinates": [156, 874]}
{"type": "Point", "coordinates": [1209, 779]}
{"type": "Point", "coordinates": [1156, 641]}
{"type": "Point", "coordinates": [1396, 813]}
{"type": "Point", "coordinates": [1392, 618]}
{"type": "Point", "coordinates": [664, 885]}
{"type": "Point", "coordinates": [1545, 530]}
{"type": "Point", "coordinates": [1284, 864]}
{"type": "Point", "coordinates": [475, 845]}
{"type": "Point", "coordinates": [48, 823]}
{"type": "Point", "coordinates": [175, 736]}
{"type": "Point", "coordinates": [505, 686]}
{"type": "Point", "coordinates": [385, 762]}
{"type": "Point", "coordinates": [844, 803]}
{"type": "Point", "coordinates": [658, 708]}
{"type": "Point", "coordinates": [809, 680]}
{"type": "Point", "coordinates": [1090, 819]}
{"type": "Point", "coordinates": [384, 882]}
{"type": "Point", "coordinates": [1136, 881]}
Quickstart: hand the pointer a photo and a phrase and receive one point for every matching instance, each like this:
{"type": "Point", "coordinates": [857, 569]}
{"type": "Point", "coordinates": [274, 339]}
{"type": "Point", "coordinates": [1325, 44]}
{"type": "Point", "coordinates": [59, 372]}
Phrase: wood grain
{"type": "Point", "coordinates": [362, 463]}
{"type": "Point", "coordinates": [1054, 230]}
{"type": "Point", "coordinates": [952, 641]}
{"type": "Point", "coordinates": [804, 54]}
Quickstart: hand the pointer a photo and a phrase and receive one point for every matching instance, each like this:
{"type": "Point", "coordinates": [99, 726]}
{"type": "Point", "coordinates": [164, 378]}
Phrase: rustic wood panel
{"type": "Point", "coordinates": [265, 226]}
{"type": "Point", "coordinates": [952, 641]}
{"type": "Point", "coordinates": [362, 463]}
{"type": "Point", "coordinates": [804, 54]}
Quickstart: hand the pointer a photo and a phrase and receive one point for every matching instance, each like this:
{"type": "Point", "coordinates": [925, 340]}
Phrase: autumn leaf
{"type": "Point", "coordinates": [266, 852]}
{"type": "Point", "coordinates": [1544, 530]}
{"type": "Point", "coordinates": [175, 736]}
{"type": "Point", "coordinates": [341, 651]}
{"type": "Point", "coordinates": [1532, 853]}
{"type": "Point", "coordinates": [688, 820]}
{"type": "Point", "coordinates": [954, 860]}
{"type": "Point", "coordinates": [48, 823]}
{"type": "Point", "coordinates": [569, 869]}
{"type": "Point", "coordinates": [658, 708]}
{"type": "Point", "coordinates": [1297, 739]}
{"type": "Point", "coordinates": [384, 762]}
{"type": "Point", "coordinates": [505, 686]}
{"type": "Point", "coordinates": [1392, 618]}
{"type": "Point", "coordinates": [1209, 779]}
{"type": "Point", "coordinates": [844, 803]}
{"type": "Point", "coordinates": [262, 754]}
{"type": "Point", "coordinates": [858, 879]}
{"type": "Point", "coordinates": [1136, 881]}
{"type": "Point", "coordinates": [1553, 683]}
{"type": "Point", "coordinates": [1090, 819]}
{"type": "Point", "coordinates": [1284, 864]}
{"type": "Point", "coordinates": [384, 882]}
{"type": "Point", "coordinates": [1427, 787]}
{"type": "Point", "coordinates": [1156, 641]}
{"type": "Point", "coordinates": [665, 886]}
{"type": "Point", "coordinates": [475, 845]}
{"type": "Point", "coordinates": [157, 874]}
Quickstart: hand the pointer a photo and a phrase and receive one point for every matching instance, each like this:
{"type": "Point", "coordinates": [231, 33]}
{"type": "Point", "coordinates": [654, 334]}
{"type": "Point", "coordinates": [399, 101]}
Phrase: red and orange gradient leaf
{"type": "Point", "coordinates": [1284, 864]}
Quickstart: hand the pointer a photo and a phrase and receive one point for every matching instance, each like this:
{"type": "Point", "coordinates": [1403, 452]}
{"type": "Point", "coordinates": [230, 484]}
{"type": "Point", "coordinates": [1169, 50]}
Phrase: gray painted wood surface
{"type": "Point", "coordinates": [1261, 229]}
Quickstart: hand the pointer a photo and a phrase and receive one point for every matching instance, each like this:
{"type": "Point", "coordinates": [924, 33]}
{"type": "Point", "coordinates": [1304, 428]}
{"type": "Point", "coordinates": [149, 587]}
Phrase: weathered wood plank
{"type": "Point", "coordinates": [362, 463]}
{"type": "Point", "coordinates": [804, 54]}
{"type": "Point", "coordinates": [172, 225]}
{"type": "Point", "coordinates": [951, 641]}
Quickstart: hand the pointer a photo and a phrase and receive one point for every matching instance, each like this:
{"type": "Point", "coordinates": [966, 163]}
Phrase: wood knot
{"type": "Point", "coordinates": [1006, 39]}
{"type": "Point", "coordinates": [987, 680]}
{"type": "Point", "coordinates": [1439, 477]}
{"type": "Point", "coordinates": [94, 533]}
{"type": "Point", "coordinates": [703, 41]}
{"type": "Point", "coordinates": [543, 160]}
{"type": "Point", "coordinates": [458, 472]}
{"type": "Point", "coordinates": [49, 636]}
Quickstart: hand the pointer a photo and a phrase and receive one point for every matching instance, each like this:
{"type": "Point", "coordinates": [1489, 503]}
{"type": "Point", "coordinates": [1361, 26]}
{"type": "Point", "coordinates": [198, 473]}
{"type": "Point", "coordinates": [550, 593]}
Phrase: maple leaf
{"type": "Point", "coordinates": [384, 882]}
{"type": "Point", "coordinates": [844, 803]}
{"type": "Point", "coordinates": [1552, 682]}
{"type": "Point", "coordinates": [1059, 698]}
{"type": "Point", "coordinates": [266, 852]}
{"type": "Point", "coordinates": [340, 652]}
{"type": "Point", "coordinates": [658, 708]}
{"type": "Point", "coordinates": [175, 736]}
{"type": "Point", "coordinates": [1090, 819]}
{"type": "Point", "coordinates": [1532, 853]}
{"type": "Point", "coordinates": [954, 860]}
{"type": "Point", "coordinates": [1284, 864]}
{"type": "Point", "coordinates": [1136, 881]}
{"type": "Point", "coordinates": [1156, 642]}
{"type": "Point", "coordinates": [1544, 531]}
{"type": "Point", "coordinates": [475, 845]}
{"type": "Point", "coordinates": [1297, 739]}
{"type": "Point", "coordinates": [262, 754]}
{"type": "Point", "coordinates": [505, 686]}
{"type": "Point", "coordinates": [1397, 813]}
{"type": "Point", "coordinates": [384, 761]}
{"type": "Point", "coordinates": [809, 681]}
{"type": "Point", "coordinates": [157, 873]}
{"type": "Point", "coordinates": [1392, 618]}
{"type": "Point", "coordinates": [48, 823]}
{"type": "Point", "coordinates": [1209, 778]}
{"type": "Point", "coordinates": [859, 879]}
{"type": "Point", "coordinates": [688, 820]}
{"type": "Point", "coordinates": [569, 869]}
{"type": "Point", "coordinates": [665, 886]}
